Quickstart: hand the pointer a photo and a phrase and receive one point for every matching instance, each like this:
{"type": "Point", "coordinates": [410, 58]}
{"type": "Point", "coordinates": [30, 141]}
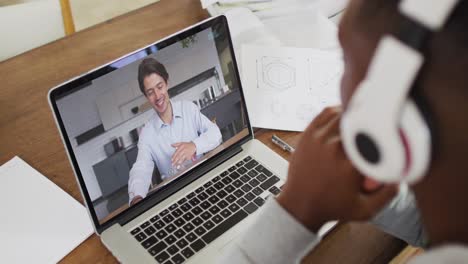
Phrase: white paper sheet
{"type": "Point", "coordinates": [285, 88]}
{"type": "Point", "coordinates": [40, 223]}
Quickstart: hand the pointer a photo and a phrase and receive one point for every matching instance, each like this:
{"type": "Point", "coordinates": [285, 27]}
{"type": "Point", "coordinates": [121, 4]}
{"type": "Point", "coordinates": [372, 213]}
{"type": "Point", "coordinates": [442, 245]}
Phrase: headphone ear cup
{"type": "Point", "coordinates": [388, 151]}
{"type": "Point", "coordinates": [416, 137]}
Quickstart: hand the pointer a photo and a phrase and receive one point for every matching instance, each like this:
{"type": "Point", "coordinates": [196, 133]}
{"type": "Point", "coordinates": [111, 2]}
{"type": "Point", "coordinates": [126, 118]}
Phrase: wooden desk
{"type": "Point", "coordinates": [27, 128]}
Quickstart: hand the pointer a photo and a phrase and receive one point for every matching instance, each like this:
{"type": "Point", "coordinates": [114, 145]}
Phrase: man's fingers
{"type": "Point", "coordinates": [325, 116]}
{"type": "Point", "coordinates": [176, 145]}
{"type": "Point", "coordinates": [370, 204]}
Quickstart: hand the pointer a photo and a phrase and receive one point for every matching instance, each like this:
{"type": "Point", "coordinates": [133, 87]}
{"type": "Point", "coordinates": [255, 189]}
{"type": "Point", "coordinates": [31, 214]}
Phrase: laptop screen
{"type": "Point", "coordinates": [136, 125]}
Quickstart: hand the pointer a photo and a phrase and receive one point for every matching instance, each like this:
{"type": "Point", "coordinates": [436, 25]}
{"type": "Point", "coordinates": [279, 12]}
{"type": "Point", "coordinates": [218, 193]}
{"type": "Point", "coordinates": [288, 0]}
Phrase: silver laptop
{"type": "Point", "coordinates": [163, 151]}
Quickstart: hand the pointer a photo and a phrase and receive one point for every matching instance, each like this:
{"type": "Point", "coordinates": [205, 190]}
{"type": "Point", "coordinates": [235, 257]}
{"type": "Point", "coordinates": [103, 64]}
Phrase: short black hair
{"type": "Point", "coordinates": [147, 67]}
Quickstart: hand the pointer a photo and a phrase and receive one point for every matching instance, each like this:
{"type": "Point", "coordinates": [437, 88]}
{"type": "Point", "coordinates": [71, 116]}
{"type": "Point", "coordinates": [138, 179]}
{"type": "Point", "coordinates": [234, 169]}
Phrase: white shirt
{"type": "Point", "coordinates": [154, 144]}
{"type": "Point", "coordinates": [278, 238]}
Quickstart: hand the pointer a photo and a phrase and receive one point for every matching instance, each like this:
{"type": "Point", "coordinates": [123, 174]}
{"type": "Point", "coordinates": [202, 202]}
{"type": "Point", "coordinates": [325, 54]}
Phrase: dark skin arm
{"type": "Point", "coordinates": [322, 183]}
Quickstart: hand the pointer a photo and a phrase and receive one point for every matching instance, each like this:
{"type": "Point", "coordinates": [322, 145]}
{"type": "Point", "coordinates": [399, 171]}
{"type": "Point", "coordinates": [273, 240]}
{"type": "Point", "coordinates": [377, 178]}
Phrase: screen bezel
{"type": "Point", "coordinates": [177, 184]}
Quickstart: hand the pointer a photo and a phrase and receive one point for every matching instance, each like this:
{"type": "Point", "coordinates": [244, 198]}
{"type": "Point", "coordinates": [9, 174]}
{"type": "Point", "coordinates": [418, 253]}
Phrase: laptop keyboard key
{"type": "Point", "coordinates": [241, 202]}
{"type": "Point", "coordinates": [188, 227]}
{"type": "Point", "coordinates": [172, 207]}
{"type": "Point", "coordinates": [224, 173]}
{"type": "Point", "coordinates": [145, 224]}
{"type": "Point", "coordinates": [241, 170]}
{"type": "Point", "coordinates": [238, 193]}
{"type": "Point", "coordinates": [234, 207]}
{"type": "Point", "coordinates": [164, 213]}
{"type": "Point", "coordinates": [172, 250]}
{"type": "Point", "coordinates": [221, 194]}
{"type": "Point", "coordinates": [231, 198]}
{"type": "Point", "coordinates": [157, 248]}
{"type": "Point", "coordinates": [251, 164]}
{"type": "Point", "coordinates": [226, 180]}
{"type": "Point", "coordinates": [270, 182]}
{"type": "Point", "coordinates": [199, 190]}
{"type": "Point", "coordinates": [181, 201]}
{"type": "Point", "coordinates": [197, 221]}
{"type": "Point", "coordinates": [176, 213]}
{"type": "Point", "coordinates": [187, 252]}
{"type": "Point", "coordinates": [223, 227]}
{"type": "Point", "coordinates": [178, 259]}
{"type": "Point", "coordinates": [263, 170]}
{"type": "Point", "coordinates": [257, 191]}
{"type": "Point", "coordinates": [233, 168]}
{"type": "Point", "coordinates": [198, 245]}
{"type": "Point", "coordinates": [191, 195]}
{"type": "Point", "coordinates": [159, 224]}
{"type": "Point", "coordinates": [208, 184]}
{"type": "Point", "coordinates": [202, 196]}
{"type": "Point", "coordinates": [200, 231]}
{"type": "Point", "coordinates": [259, 201]}
{"type": "Point", "coordinates": [225, 213]}
{"type": "Point", "coordinates": [188, 216]}
{"type": "Point", "coordinates": [234, 175]}
{"type": "Point", "coordinates": [182, 243]}
{"type": "Point", "coordinates": [248, 158]}
{"type": "Point", "coordinates": [194, 201]}
{"type": "Point", "coordinates": [161, 234]}
{"type": "Point", "coordinates": [217, 219]}
{"type": "Point", "coordinates": [185, 207]}
{"type": "Point", "coordinates": [246, 188]}
{"type": "Point", "coordinates": [162, 257]}
{"type": "Point", "coordinates": [196, 210]}
{"type": "Point", "coordinates": [240, 163]}
{"type": "Point", "coordinates": [254, 183]}
{"type": "Point", "coordinates": [206, 215]}
{"type": "Point", "coordinates": [261, 177]}
{"type": "Point", "coordinates": [245, 178]}
{"type": "Point", "coordinates": [252, 173]}
{"type": "Point", "coordinates": [237, 183]}
{"type": "Point", "coordinates": [135, 231]}
{"type": "Point", "coordinates": [170, 239]}
{"type": "Point", "coordinates": [179, 233]}
{"type": "Point", "coordinates": [191, 237]}
{"type": "Point", "coordinates": [150, 230]}
{"type": "Point", "coordinates": [222, 204]}
{"type": "Point", "coordinates": [155, 218]}
{"type": "Point", "coordinates": [205, 205]}
{"type": "Point", "coordinates": [149, 242]}
{"type": "Point", "coordinates": [168, 219]}
{"type": "Point", "coordinates": [274, 190]}
{"type": "Point", "coordinates": [214, 209]}
{"type": "Point", "coordinates": [229, 189]}
{"type": "Point", "coordinates": [140, 236]}
{"type": "Point", "coordinates": [179, 222]}
{"type": "Point", "coordinates": [250, 208]}
{"type": "Point", "coordinates": [215, 179]}
{"type": "Point", "coordinates": [249, 196]}
{"type": "Point", "coordinates": [211, 190]}
{"type": "Point", "coordinates": [208, 225]}
{"type": "Point", "coordinates": [213, 199]}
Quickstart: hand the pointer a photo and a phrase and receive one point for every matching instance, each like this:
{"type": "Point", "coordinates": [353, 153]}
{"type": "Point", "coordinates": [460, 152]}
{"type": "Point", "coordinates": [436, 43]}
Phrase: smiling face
{"type": "Point", "coordinates": [156, 93]}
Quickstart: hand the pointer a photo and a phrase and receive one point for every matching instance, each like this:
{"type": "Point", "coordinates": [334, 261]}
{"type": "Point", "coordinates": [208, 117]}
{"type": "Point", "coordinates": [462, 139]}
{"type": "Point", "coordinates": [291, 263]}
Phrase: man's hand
{"type": "Point", "coordinates": [184, 151]}
{"type": "Point", "coordinates": [136, 199]}
{"type": "Point", "coordinates": [322, 183]}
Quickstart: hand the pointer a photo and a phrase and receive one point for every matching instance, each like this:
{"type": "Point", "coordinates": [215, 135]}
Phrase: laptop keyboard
{"type": "Point", "coordinates": [188, 225]}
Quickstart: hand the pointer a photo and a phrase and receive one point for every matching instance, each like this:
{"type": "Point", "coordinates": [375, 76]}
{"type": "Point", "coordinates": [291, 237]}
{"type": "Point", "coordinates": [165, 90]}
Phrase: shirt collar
{"type": "Point", "coordinates": [176, 112]}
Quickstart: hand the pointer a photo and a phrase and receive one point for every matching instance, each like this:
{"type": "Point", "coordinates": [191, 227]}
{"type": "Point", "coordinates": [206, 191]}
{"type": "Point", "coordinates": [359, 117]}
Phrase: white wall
{"type": "Point", "coordinates": [80, 112]}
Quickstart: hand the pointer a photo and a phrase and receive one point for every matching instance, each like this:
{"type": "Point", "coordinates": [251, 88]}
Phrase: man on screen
{"type": "Point", "coordinates": [175, 136]}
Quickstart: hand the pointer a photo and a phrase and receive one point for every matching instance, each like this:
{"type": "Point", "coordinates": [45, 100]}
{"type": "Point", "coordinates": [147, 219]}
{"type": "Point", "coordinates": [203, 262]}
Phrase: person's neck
{"type": "Point", "coordinates": [166, 117]}
{"type": "Point", "coordinates": [442, 201]}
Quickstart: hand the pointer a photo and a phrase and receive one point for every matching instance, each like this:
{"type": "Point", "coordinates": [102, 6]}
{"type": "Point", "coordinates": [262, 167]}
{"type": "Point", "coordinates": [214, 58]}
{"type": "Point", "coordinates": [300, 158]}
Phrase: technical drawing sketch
{"type": "Point", "coordinates": [274, 73]}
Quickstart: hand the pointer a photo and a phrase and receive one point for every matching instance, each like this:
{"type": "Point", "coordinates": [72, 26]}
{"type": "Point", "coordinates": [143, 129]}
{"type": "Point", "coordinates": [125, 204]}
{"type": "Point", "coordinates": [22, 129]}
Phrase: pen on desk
{"type": "Point", "coordinates": [282, 144]}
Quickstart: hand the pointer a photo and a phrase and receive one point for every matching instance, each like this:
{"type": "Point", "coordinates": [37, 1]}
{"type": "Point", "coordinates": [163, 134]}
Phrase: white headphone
{"type": "Point", "coordinates": [383, 131]}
